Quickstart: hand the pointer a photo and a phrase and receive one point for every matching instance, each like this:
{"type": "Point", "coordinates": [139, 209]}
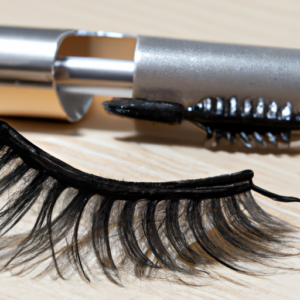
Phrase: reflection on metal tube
{"type": "Point", "coordinates": [82, 70]}
{"type": "Point", "coordinates": [113, 91]}
{"type": "Point", "coordinates": [97, 76]}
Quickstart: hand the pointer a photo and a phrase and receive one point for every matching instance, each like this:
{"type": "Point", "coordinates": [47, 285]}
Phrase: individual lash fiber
{"type": "Point", "coordinates": [87, 223]}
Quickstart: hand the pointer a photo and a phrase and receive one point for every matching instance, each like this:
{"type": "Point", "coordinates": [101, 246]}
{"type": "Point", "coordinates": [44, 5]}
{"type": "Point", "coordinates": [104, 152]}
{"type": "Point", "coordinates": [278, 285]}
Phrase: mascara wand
{"type": "Point", "coordinates": [56, 73]}
{"type": "Point", "coordinates": [216, 115]}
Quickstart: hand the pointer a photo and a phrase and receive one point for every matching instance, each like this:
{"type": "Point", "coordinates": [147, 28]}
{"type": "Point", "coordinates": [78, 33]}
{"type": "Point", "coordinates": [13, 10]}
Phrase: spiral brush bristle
{"type": "Point", "coordinates": [234, 120]}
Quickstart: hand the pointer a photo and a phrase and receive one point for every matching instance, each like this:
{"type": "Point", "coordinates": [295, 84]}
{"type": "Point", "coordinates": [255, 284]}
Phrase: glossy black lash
{"type": "Point", "coordinates": [88, 223]}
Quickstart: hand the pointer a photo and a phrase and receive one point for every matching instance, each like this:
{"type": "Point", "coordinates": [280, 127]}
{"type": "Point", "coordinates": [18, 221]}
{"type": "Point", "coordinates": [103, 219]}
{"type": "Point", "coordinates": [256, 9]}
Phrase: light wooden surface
{"type": "Point", "coordinates": [123, 149]}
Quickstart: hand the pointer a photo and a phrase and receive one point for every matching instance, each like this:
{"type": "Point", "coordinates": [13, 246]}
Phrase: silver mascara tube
{"type": "Point", "coordinates": [56, 73]}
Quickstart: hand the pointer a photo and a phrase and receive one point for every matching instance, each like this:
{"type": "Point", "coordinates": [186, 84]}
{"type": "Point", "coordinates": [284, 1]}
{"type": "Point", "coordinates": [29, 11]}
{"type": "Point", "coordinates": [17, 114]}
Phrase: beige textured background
{"type": "Point", "coordinates": [123, 149]}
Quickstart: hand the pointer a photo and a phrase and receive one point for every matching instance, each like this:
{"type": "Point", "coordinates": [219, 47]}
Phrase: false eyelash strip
{"type": "Point", "coordinates": [91, 225]}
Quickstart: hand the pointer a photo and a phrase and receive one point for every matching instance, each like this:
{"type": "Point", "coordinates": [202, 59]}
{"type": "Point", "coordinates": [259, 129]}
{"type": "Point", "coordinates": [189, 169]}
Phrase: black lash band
{"type": "Point", "coordinates": [141, 228]}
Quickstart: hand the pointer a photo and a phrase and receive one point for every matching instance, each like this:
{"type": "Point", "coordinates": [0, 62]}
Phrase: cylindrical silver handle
{"type": "Point", "coordinates": [162, 69]}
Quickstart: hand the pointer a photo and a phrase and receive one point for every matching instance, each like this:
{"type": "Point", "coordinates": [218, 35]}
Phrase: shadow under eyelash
{"type": "Point", "coordinates": [89, 225]}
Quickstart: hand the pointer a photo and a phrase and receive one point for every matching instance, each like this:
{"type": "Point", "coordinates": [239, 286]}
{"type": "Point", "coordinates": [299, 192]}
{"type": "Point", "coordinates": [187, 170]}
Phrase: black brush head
{"type": "Point", "coordinates": [226, 118]}
{"type": "Point", "coordinates": [232, 118]}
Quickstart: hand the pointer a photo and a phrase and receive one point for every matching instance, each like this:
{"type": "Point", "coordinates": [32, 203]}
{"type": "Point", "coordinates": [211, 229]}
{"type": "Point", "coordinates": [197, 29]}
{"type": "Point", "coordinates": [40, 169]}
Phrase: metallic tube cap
{"type": "Point", "coordinates": [39, 70]}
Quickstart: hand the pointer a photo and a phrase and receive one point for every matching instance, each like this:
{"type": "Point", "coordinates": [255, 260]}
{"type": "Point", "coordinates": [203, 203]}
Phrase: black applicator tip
{"type": "Point", "coordinates": [156, 111]}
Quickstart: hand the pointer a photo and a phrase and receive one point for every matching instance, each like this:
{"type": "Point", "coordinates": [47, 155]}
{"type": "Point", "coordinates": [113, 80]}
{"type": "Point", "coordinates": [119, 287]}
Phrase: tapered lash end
{"type": "Point", "coordinates": [156, 111]}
